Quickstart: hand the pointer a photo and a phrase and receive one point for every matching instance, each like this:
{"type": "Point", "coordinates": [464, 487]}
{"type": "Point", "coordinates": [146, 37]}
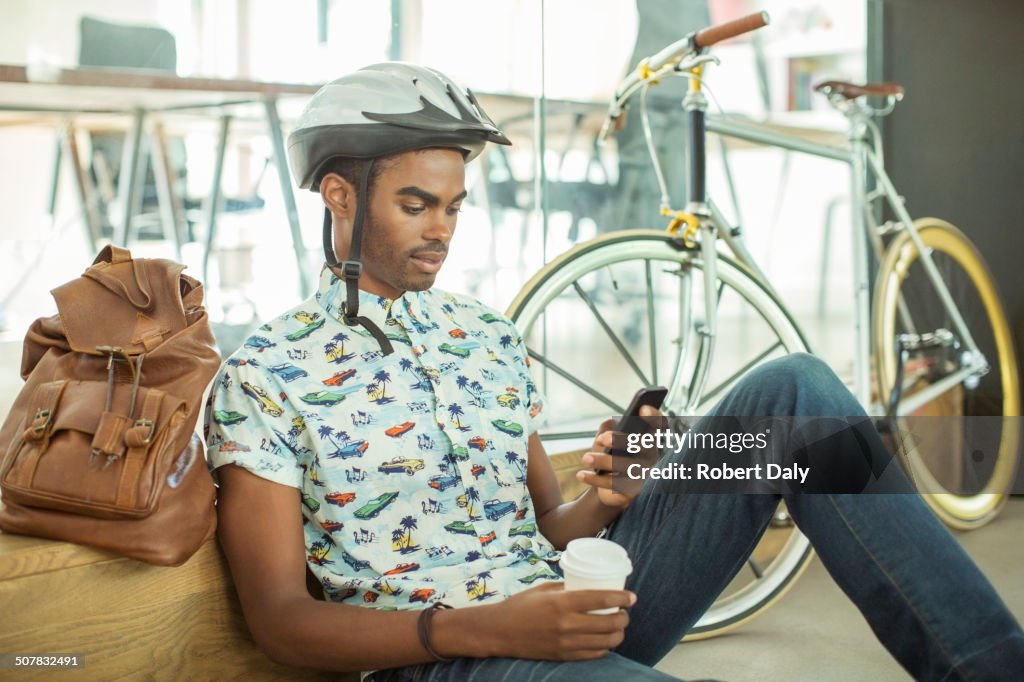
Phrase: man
{"type": "Point", "coordinates": [383, 434]}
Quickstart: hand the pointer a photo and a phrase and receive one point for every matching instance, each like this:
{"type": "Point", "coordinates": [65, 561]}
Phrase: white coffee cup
{"type": "Point", "coordinates": [595, 564]}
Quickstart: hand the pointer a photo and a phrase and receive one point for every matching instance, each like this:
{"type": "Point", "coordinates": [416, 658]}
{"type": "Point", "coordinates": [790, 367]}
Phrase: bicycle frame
{"type": "Point", "coordinates": [864, 157]}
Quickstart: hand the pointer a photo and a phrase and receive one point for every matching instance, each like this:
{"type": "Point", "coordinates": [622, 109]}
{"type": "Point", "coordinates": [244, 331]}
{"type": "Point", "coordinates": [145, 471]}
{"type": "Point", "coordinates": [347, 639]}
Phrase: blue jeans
{"type": "Point", "coordinates": [924, 598]}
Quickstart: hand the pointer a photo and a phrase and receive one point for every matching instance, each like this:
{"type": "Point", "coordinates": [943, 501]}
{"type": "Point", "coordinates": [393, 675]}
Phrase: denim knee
{"type": "Point", "coordinates": [802, 385]}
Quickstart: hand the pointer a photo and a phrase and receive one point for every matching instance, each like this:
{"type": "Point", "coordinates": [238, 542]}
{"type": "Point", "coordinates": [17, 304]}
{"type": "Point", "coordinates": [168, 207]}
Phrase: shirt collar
{"type": "Point", "coordinates": [331, 296]}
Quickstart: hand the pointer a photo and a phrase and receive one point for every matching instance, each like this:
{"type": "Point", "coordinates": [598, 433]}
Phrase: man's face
{"type": "Point", "coordinates": [413, 207]}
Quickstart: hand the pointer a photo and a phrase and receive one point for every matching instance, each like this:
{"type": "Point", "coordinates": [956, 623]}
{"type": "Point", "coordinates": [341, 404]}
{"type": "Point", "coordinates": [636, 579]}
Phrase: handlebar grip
{"type": "Point", "coordinates": [730, 29]}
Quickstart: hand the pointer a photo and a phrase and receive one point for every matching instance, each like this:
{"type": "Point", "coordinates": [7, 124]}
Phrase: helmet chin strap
{"type": "Point", "coordinates": [350, 270]}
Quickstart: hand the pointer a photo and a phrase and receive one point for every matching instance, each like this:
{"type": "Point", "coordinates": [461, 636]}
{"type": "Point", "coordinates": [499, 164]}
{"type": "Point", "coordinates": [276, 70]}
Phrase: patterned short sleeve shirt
{"type": "Point", "coordinates": [411, 466]}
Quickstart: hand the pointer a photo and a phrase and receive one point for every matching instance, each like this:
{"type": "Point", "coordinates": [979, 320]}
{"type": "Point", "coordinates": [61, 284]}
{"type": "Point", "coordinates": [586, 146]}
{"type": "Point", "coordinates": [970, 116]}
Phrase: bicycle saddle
{"type": "Point", "coordinates": [853, 91]}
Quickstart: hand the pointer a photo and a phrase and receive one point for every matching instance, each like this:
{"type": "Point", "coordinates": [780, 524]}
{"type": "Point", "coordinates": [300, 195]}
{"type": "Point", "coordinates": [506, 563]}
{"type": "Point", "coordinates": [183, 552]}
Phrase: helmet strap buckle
{"type": "Point", "coordinates": [351, 269]}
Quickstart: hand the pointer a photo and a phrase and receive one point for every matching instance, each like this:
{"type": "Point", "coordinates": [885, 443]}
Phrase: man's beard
{"type": "Point", "coordinates": [394, 268]}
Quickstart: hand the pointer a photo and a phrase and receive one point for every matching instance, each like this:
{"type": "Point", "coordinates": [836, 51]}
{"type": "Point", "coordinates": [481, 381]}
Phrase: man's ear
{"type": "Point", "coordinates": [339, 196]}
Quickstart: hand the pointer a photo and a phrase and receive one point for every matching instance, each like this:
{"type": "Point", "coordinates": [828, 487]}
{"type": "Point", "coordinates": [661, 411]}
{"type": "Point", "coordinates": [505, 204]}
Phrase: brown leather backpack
{"type": "Point", "coordinates": [99, 447]}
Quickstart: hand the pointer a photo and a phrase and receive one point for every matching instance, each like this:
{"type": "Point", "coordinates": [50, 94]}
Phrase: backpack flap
{"type": "Point", "coordinates": [137, 303]}
{"type": "Point", "coordinates": [72, 457]}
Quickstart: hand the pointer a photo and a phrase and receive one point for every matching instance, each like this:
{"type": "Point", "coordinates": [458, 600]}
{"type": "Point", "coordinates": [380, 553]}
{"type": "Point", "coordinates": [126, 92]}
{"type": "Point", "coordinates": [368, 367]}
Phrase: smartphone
{"type": "Point", "coordinates": [652, 395]}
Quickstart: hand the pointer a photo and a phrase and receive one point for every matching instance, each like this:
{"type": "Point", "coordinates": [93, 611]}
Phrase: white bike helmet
{"type": "Point", "coordinates": [379, 110]}
{"type": "Point", "coordinates": [386, 109]}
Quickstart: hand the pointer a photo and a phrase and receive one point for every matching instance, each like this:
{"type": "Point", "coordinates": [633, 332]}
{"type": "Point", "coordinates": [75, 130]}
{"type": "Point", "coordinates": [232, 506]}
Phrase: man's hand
{"type": "Point", "coordinates": [613, 467]}
{"type": "Point", "coordinates": [547, 622]}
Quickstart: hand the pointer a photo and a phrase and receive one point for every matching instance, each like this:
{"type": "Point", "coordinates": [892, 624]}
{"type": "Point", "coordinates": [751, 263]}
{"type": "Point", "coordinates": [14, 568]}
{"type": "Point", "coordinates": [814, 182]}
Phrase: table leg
{"type": "Point", "coordinates": [90, 216]}
{"type": "Point", "coordinates": [128, 182]}
{"type": "Point", "coordinates": [58, 153]}
{"type": "Point", "coordinates": [213, 200]}
{"type": "Point", "coordinates": [171, 209]}
{"type": "Point", "coordinates": [287, 193]}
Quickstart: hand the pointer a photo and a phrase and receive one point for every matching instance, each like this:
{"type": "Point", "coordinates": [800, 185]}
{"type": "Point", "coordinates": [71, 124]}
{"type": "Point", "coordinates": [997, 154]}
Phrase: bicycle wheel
{"type": "Point", "coordinates": [965, 492]}
{"type": "Point", "coordinates": [618, 311]}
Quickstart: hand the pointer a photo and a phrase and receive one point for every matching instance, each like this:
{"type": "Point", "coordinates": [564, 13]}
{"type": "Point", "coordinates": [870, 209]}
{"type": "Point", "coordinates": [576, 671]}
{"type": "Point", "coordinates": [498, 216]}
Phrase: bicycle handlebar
{"type": "Point", "coordinates": [730, 29]}
{"type": "Point", "coordinates": [671, 55]}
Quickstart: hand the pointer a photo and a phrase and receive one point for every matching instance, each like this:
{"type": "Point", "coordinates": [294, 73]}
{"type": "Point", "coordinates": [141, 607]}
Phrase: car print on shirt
{"type": "Point", "coordinates": [340, 378]}
{"type": "Point", "coordinates": [495, 509]}
{"type": "Point", "coordinates": [267, 406]}
{"type": "Point", "coordinates": [310, 503]}
{"type": "Point", "coordinates": [354, 448]}
{"type": "Point", "coordinates": [307, 330]}
{"type": "Point", "coordinates": [340, 499]}
{"type": "Point", "coordinates": [487, 539]}
{"type": "Point", "coordinates": [509, 400]}
{"type": "Point", "coordinates": [332, 526]}
{"type": "Point", "coordinates": [539, 575]}
{"type": "Point", "coordinates": [289, 372]}
{"type": "Point", "coordinates": [259, 343]}
{"type": "Point", "coordinates": [401, 465]}
{"type": "Point", "coordinates": [422, 595]}
{"type": "Point", "coordinates": [402, 568]}
{"type": "Point", "coordinates": [528, 529]}
{"type": "Point", "coordinates": [329, 398]}
{"type": "Point", "coordinates": [477, 470]}
{"type": "Point", "coordinates": [375, 506]}
{"type": "Point", "coordinates": [232, 446]}
{"type": "Point", "coordinates": [511, 428]}
{"type": "Point", "coordinates": [460, 528]}
{"type": "Point", "coordinates": [457, 351]}
{"type": "Point", "coordinates": [478, 443]}
{"type": "Point", "coordinates": [400, 429]}
{"type": "Point", "coordinates": [227, 417]}
{"type": "Point", "coordinates": [356, 564]}
{"type": "Point", "coordinates": [442, 482]}
{"type": "Point", "coordinates": [490, 318]}
{"type": "Point", "coordinates": [457, 334]}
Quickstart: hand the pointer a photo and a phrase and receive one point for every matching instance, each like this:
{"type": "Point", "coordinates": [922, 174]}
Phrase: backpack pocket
{"type": "Point", "coordinates": [73, 455]}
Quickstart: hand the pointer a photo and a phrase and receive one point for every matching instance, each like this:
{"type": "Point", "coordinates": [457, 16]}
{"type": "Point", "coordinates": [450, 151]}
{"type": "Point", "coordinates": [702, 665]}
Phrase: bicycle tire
{"type": "Point", "coordinates": [630, 249]}
{"type": "Point", "coordinates": [995, 394]}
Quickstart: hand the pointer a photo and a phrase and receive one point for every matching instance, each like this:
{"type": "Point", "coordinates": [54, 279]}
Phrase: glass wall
{"type": "Point", "coordinates": [544, 71]}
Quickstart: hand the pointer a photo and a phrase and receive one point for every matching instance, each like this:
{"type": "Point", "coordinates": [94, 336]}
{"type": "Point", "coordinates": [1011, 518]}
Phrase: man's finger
{"type": "Point", "coordinates": [594, 480]}
{"type": "Point", "coordinates": [582, 601]}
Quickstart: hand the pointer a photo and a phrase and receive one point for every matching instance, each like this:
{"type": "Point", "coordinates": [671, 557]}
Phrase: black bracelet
{"type": "Point", "coordinates": [423, 628]}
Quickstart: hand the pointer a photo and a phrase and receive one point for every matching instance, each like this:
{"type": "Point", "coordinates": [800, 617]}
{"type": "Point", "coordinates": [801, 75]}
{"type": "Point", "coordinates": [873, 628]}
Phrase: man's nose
{"type": "Point", "coordinates": [441, 228]}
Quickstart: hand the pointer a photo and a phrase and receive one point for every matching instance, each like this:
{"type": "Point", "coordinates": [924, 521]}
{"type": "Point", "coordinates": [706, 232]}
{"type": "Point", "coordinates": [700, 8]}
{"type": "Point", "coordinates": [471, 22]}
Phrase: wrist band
{"type": "Point", "coordinates": [423, 628]}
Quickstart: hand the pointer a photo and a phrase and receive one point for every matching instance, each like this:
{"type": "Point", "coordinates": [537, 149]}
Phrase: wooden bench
{"type": "Point", "coordinates": [132, 620]}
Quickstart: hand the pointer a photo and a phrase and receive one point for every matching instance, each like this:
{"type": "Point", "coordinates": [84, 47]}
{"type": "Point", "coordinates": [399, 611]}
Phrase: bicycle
{"type": "Point", "coordinates": [716, 303]}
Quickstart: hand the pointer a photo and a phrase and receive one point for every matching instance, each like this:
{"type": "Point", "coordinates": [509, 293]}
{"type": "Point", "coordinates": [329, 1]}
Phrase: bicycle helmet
{"type": "Point", "coordinates": [382, 109]}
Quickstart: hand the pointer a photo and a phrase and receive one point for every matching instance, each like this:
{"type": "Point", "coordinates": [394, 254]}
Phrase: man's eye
{"type": "Point", "coordinates": [454, 210]}
{"type": "Point", "coordinates": [414, 209]}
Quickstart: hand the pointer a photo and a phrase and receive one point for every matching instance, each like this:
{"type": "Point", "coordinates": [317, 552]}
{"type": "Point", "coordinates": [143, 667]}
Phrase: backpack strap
{"type": "Point", "coordinates": [138, 439]}
{"type": "Point", "coordinates": [41, 410]}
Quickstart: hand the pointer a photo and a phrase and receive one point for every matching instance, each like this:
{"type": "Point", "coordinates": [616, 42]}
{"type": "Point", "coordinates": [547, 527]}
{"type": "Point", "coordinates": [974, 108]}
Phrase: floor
{"type": "Point", "coordinates": [815, 633]}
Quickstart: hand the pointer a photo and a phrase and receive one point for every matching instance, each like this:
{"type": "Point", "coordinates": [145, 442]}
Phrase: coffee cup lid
{"type": "Point", "coordinates": [595, 558]}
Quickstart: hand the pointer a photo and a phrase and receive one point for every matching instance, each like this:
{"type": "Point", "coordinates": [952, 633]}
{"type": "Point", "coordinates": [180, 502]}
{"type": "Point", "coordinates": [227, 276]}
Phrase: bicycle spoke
{"type": "Point", "coordinates": [623, 351]}
{"type": "Point", "coordinates": [710, 395]}
{"type": "Point", "coordinates": [756, 568]}
{"type": "Point", "coordinates": [592, 392]}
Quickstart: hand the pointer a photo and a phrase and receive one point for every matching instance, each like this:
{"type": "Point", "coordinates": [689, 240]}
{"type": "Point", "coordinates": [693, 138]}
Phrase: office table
{"type": "Point", "coordinates": [133, 95]}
